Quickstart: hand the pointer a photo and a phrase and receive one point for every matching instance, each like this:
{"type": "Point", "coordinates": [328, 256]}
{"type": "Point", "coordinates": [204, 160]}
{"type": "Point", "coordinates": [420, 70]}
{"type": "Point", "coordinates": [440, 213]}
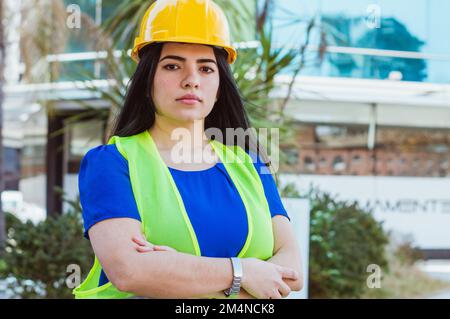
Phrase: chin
{"type": "Point", "coordinates": [186, 117]}
{"type": "Point", "coordinates": [189, 115]}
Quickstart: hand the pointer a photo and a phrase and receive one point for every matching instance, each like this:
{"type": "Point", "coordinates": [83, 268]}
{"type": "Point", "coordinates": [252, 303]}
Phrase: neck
{"type": "Point", "coordinates": [167, 134]}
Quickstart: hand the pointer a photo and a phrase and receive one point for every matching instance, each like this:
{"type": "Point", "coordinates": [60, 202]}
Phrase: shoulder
{"type": "Point", "coordinates": [103, 158]}
{"type": "Point", "coordinates": [104, 152]}
{"type": "Point", "coordinates": [105, 187]}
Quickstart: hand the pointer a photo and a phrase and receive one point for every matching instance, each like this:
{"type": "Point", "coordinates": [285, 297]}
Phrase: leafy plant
{"type": "Point", "coordinates": [344, 241]}
{"type": "Point", "coordinates": [36, 256]}
{"type": "Point", "coordinates": [288, 191]}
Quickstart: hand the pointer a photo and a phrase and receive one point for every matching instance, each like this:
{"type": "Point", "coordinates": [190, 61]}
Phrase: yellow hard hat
{"type": "Point", "coordinates": [186, 21]}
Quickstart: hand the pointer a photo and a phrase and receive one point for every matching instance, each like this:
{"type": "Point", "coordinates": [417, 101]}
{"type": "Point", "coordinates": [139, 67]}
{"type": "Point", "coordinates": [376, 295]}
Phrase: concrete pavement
{"type": "Point", "coordinates": [439, 269]}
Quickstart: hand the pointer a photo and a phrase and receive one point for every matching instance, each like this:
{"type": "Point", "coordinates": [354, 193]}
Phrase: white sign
{"type": "Point", "coordinates": [298, 211]}
{"type": "Point", "coordinates": [414, 206]}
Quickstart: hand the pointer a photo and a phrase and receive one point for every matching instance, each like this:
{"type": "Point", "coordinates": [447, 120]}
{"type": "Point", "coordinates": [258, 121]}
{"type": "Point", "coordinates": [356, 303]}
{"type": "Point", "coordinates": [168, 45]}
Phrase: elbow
{"type": "Point", "coordinates": [122, 284]}
{"type": "Point", "coordinates": [122, 279]}
{"type": "Point", "coordinates": [125, 279]}
{"type": "Point", "coordinates": [297, 285]}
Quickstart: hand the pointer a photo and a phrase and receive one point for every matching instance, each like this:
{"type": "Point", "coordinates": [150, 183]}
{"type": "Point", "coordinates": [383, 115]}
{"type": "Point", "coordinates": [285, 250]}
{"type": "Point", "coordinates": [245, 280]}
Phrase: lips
{"type": "Point", "coordinates": [189, 98]}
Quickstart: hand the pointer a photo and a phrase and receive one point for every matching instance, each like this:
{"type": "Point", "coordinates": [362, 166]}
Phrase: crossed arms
{"type": "Point", "coordinates": [170, 274]}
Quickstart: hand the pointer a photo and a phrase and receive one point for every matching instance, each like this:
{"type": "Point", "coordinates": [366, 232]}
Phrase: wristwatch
{"type": "Point", "coordinates": [237, 277]}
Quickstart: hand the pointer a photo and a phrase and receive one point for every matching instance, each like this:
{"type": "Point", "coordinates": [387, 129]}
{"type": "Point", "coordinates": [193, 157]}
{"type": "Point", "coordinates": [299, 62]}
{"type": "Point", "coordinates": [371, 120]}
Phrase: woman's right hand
{"type": "Point", "coordinates": [264, 280]}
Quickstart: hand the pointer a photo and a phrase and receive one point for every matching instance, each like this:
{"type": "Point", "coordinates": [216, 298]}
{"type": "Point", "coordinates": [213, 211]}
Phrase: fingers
{"type": "Point", "coordinates": [284, 289]}
{"type": "Point", "coordinates": [145, 246]}
{"type": "Point", "coordinates": [288, 273]}
{"type": "Point", "coordinates": [163, 248]}
{"type": "Point", "coordinates": [275, 295]}
{"type": "Point", "coordinates": [144, 249]}
{"type": "Point", "coordinates": [141, 242]}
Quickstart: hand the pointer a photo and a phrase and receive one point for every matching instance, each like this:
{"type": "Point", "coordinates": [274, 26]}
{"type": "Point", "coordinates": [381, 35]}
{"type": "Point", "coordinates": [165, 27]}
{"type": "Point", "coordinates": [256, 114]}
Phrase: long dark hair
{"type": "Point", "coordinates": [138, 111]}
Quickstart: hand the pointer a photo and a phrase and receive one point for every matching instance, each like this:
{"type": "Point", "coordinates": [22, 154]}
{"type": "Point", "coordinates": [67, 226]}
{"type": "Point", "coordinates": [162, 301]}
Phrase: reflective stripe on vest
{"type": "Point", "coordinates": [164, 220]}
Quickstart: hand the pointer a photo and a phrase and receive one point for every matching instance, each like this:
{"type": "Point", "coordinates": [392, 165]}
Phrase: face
{"type": "Point", "coordinates": [186, 82]}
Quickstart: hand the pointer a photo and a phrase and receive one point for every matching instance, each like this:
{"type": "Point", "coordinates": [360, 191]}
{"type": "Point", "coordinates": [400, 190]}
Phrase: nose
{"type": "Point", "coordinates": [191, 80]}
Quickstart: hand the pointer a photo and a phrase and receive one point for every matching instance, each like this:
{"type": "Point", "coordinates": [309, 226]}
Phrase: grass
{"type": "Point", "coordinates": [405, 281]}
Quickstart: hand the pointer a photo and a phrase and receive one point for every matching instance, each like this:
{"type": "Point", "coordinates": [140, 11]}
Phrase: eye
{"type": "Point", "coordinates": [171, 67]}
{"type": "Point", "coordinates": [206, 69]}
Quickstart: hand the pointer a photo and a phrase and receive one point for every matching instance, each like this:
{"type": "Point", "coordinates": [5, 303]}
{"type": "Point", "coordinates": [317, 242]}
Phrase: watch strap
{"type": "Point", "coordinates": [237, 277]}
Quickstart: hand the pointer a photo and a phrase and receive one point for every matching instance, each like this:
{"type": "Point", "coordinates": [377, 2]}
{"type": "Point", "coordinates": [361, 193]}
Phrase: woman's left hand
{"type": "Point", "coordinates": [143, 246]}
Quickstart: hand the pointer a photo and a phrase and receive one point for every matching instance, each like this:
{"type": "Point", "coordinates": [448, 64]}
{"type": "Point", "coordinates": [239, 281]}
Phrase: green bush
{"type": "Point", "coordinates": [36, 256]}
{"type": "Point", "coordinates": [344, 240]}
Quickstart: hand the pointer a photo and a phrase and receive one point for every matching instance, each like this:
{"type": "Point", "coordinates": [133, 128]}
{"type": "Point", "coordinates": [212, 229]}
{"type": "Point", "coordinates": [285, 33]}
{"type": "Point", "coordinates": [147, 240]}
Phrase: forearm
{"type": "Point", "coordinates": [166, 274]}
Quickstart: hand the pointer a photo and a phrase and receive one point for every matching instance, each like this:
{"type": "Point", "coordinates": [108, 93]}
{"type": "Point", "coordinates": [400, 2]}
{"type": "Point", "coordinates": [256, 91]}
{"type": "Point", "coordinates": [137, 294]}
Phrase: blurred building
{"type": "Point", "coordinates": [374, 115]}
{"type": "Point", "coordinates": [372, 102]}
{"type": "Point", "coordinates": [370, 127]}
{"type": "Point", "coordinates": [393, 120]}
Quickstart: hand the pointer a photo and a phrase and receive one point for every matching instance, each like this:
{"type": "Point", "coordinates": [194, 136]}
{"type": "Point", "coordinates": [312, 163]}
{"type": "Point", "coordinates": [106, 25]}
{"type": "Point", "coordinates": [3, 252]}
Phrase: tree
{"type": "Point", "coordinates": [2, 67]}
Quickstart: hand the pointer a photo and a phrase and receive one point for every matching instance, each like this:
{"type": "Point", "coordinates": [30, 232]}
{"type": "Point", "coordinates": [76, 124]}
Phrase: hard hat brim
{"type": "Point", "coordinates": [232, 54]}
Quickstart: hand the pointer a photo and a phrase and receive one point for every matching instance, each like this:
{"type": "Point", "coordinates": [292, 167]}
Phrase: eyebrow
{"type": "Point", "coordinates": [179, 58]}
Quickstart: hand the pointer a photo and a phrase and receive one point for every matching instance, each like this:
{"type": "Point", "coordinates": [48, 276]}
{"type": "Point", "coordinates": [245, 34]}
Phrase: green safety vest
{"type": "Point", "coordinates": [163, 216]}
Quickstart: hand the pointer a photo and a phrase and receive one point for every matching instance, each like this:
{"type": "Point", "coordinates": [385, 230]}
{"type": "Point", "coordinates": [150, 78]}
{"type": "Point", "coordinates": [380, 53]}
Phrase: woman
{"type": "Point", "coordinates": [167, 226]}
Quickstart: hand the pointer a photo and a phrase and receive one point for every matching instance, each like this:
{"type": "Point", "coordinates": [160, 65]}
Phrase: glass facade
{"type": "Point", "coordinates": [77, 38]}
{"type": "Point", "coordinates": [416, 32]}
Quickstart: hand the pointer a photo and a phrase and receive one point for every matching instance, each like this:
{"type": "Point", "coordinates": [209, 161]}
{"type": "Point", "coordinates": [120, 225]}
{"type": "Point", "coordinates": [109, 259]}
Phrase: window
{"type": "Point", "coordinates": [82, 137]}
